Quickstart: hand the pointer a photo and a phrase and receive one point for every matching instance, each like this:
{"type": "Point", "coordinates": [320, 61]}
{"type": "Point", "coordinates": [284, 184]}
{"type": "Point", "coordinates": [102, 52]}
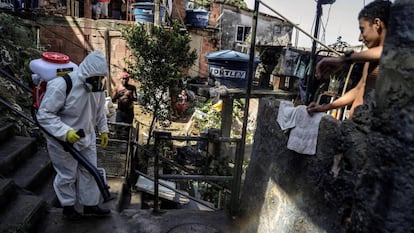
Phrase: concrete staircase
{"type": "Point", "coordinates": [24, 172]}
{"type": "Point", "coordinates": [27, 199]}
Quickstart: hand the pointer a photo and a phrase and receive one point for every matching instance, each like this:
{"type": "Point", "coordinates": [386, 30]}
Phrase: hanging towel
{"type": "Point", "coordinates": [286, 115]}
{"type": "Point", "coordinates": [303, 137]}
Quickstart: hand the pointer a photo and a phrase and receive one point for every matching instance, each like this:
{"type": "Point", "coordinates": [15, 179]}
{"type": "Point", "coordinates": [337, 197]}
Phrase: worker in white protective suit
{"type": "Point", "coordinates": [62, 116]}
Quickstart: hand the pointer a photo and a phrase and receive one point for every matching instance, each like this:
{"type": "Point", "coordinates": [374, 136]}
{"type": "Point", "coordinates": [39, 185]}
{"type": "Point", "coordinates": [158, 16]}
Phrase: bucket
{"type": "Point", "coordinates": [197, 18]}
{"type": "Point", "coordinates": [51, 65]}
{"type": "Point", "coordinates": [144, 12]}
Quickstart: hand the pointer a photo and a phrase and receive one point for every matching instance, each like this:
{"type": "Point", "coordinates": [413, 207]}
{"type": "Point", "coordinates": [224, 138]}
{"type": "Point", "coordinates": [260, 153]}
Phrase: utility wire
{"type": "Point", "coordinates": [299, 28]}
{"type": "Point", "coordinates": [326, 24]}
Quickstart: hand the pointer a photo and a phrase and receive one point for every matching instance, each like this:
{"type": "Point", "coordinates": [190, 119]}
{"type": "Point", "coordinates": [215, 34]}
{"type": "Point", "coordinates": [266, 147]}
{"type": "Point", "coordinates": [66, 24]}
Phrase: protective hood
{"type": "Point", "coordinates": [93, 65]}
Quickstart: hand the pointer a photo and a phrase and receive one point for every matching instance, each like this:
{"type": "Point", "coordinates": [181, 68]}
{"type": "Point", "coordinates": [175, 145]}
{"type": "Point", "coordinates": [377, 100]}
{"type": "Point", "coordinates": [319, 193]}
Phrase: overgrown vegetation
{"type": "Point", "coordinates": [17, 49]}
{"type": "Point", "coordinates": [208, 115]}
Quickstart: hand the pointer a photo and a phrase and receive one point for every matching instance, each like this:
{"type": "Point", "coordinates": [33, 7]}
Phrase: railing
{"type": "Point", "coordinates": [11, 106]}
{"type": "Point", "coordinates": [235, 179]}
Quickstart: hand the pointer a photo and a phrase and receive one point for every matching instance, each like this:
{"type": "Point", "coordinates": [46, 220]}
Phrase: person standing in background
{"type": "Point", "coordinates": [125, 95]}
{"type": "Point", "coordinates": [102, 9]}
{"type": "Point", "coordinates": [123, 10]}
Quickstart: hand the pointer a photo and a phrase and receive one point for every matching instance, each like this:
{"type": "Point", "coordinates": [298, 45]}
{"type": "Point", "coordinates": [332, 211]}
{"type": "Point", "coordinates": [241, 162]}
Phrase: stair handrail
{"type": "Point", "coordinates": [7, 103]}
{"type": "Point", "coordinates": [15, 80]}
{"type": "Point", "coordinates": [18, 112]}
{"type": "Point", "coordinates": [176, 191]}
{"type": "Point", "coordinates": [179, 166]}
{"type": "Point", "coordinates": [160, 135]}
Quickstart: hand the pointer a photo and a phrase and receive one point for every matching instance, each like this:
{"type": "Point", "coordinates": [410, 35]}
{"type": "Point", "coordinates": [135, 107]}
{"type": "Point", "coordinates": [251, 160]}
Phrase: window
{"type": "Point", "coordinates": [287, 29]}
{"type": "Point", "coordinates": [242, 33]}
{"type": "Point", "coordinates": [277, 29]}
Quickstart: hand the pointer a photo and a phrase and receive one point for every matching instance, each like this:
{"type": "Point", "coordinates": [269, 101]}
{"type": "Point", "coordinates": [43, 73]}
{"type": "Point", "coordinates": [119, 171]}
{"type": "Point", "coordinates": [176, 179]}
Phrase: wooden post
{"type": "Point", "coordinates": [156, 12]}
{"type": "Point", "coordinates": [87, 12]}
{"type": "Point", "coordinates": [68, 7]}
{"type": "Point", "coordinates": [226, 116]}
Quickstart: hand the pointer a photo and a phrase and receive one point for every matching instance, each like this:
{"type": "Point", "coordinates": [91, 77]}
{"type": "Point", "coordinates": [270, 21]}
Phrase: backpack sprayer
{"type": "Point", "coordinates": [50, 66]}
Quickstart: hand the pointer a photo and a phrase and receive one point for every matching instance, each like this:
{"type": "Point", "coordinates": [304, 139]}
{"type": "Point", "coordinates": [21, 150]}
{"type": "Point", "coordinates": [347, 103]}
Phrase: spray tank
{"type": "Point", "coordinates": [50, 66]}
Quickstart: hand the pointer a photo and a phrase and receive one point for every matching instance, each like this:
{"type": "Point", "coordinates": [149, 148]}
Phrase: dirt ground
{"type": "Point", "coordinates": [181, 127]}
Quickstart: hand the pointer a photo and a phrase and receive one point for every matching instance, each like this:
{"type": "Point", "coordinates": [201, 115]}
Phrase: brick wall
{"type": "Point", "coordinates": [178, 11]}
{"type": "Point", "coordinates": [77, 36]}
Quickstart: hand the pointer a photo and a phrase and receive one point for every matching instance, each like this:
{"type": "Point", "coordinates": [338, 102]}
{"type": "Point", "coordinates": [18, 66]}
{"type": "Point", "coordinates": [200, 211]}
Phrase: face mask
{"type": "Point", "coordinates": [95, 84]}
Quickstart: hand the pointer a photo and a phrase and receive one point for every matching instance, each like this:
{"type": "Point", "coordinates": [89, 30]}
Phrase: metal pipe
{"type": "Point", "coordinates": [177, 191]}
{"type": "Point", "coordinates": [188, 138]}
{"type": "Point", "coordinates": [194, 177]}
{"type": "Point", "coordinates": [172, 163]}
{"type": "Point", "coordinates": [236, 185]}
{"type": "Point", "coordinates": [310, 77]}
{"type": "Point", "coordinates": [18, 82]}
{"type": "Point", "coordinates": [237, 179]}
{"type": "Point", "coordinates": [191, 173]}
{"type": "Point", "coordinates": [18, 112]}
{"type": "Point", "coordinates": [156, 173]}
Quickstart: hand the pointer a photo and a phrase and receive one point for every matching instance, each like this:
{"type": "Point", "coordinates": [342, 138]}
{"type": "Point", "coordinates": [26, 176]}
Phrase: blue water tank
{"type": "Point", "coordinates": [197, 18]}
{"type": "Point", "coordinates": [144, 12]}
{"type": "Point", "coordinates": [230, 67]}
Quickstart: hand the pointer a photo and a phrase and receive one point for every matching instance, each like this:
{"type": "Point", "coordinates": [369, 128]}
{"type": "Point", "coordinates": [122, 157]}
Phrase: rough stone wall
{"type": "Point", "coordinates": [361, 179]}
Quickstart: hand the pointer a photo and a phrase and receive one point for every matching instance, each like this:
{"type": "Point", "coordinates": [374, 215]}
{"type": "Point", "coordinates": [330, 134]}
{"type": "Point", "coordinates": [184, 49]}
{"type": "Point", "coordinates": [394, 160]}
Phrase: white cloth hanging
{"type": "Point", "coordinates": [303, 137]}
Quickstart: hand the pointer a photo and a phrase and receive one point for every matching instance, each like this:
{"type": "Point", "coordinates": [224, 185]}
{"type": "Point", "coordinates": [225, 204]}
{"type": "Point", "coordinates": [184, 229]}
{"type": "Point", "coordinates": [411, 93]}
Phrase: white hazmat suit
{"type": "Point", "coordinates": [80, 109]}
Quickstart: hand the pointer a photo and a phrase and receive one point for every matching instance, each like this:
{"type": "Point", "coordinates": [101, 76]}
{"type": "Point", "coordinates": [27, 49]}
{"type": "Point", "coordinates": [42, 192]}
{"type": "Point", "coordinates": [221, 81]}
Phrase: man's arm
{"type": "Point", "coordinates": [347, 99]}
{"type": "Point", "coordinates": [117, 93]}
{"type": "Point", "coordinates": [331, 65]}
{"type": "Point", "coordinates": [134, 93]}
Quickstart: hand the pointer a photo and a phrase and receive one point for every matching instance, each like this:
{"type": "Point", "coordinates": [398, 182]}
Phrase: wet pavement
{"type": "Point", "coordinates": [143, 221]}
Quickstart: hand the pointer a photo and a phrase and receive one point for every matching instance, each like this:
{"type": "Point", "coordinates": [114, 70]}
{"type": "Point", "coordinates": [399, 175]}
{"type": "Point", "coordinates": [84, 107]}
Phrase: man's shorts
{"type": "Point", "coordinates": [102, 8]}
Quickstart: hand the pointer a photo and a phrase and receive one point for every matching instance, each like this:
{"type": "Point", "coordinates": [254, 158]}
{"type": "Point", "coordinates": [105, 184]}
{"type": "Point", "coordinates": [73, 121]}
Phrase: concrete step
{"type": "Point", "coordinates": [33, 172]}
{"type": "Point", "coordinates": [46, 191]}
{"type": "Point", "coordinates": [54, 222]}
{"type": "Point", "coordinates": [7, 191]}
{"type": "Point", "coordinates": [135, 201]}
{"type": "Point", "coordinates": [14, 151]}
{"type": "Point", "coordinates": [6, 132]}
{"type": "Point", "coordinates": [22, 214]}
{"type": "Point", "coordinates": [117, 189]}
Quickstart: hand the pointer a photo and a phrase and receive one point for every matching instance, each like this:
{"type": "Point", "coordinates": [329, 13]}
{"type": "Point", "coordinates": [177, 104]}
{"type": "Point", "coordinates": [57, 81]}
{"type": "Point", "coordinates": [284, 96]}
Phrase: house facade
{"type": "Point", "coordinates": [70, 29]}
{"type": "Point", "coordinates": [229, 28]}
{"type": "Point", "coordinates": [235, 25]}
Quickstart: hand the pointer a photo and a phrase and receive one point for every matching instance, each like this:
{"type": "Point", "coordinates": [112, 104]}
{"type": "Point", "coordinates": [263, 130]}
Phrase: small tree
{"type": "Point", "coordinates": [159, 57]}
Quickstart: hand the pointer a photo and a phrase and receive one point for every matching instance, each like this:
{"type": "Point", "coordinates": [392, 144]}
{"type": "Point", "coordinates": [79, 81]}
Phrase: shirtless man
{"type": "Point", "coordinates": [125, 95]}
{"type": "Point", "coordinates": [373, 22]}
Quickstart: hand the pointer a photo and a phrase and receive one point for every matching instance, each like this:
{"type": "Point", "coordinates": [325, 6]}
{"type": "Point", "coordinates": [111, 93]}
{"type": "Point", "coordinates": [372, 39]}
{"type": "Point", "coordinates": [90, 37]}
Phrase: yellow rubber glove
{"type": "Point", "coordinates": [72, 137]}
{"type": "Point", "coordinates": [104, 140]}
